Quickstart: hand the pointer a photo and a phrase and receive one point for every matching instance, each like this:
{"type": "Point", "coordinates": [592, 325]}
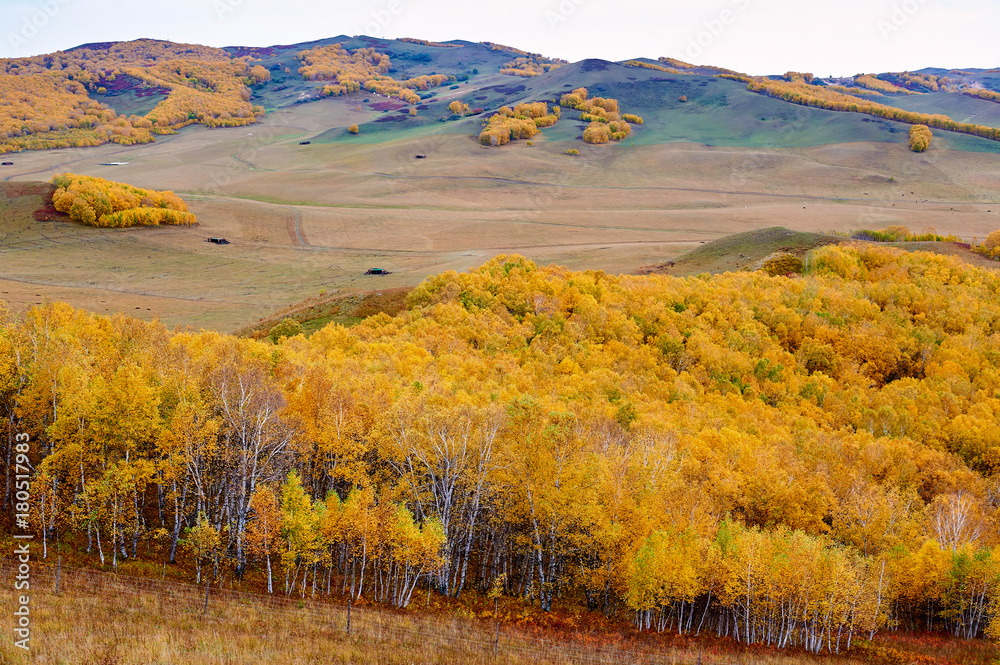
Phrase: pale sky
{"type": "Point", "coordinates": [755, 36]}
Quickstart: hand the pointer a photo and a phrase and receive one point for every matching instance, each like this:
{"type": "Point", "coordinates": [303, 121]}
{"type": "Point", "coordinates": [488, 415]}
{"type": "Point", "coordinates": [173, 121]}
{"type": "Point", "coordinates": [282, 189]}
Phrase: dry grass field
{"type": "Point", "coordinates": [306, 219]}
{"type": "Point", "coordinates": [98, 618]}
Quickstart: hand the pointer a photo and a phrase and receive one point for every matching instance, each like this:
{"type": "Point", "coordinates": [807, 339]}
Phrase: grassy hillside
{"type": "Point", "coordinates": [741, 250]}
{"type": "Point", "coordinates": [716, 111]}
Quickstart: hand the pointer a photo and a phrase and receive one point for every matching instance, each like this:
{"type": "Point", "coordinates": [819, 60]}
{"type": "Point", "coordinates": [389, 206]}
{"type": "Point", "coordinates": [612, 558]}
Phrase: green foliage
{"type": "Point", "coordinates": [286, 328]}
{"type": "Point", "coordinates": [899, 233]}
{"type": "Point", "coordinates": [782, 264]}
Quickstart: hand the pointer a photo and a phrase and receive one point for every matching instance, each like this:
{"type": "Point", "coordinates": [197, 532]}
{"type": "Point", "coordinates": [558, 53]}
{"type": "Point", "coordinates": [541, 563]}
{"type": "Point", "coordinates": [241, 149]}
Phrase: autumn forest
{"type": "Point", "coordinates": [793, 460]}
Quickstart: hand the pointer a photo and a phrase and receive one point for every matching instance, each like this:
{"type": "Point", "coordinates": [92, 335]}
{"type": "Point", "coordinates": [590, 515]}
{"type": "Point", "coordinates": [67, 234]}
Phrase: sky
{"type": "Point", "coordinates": [758, 37]}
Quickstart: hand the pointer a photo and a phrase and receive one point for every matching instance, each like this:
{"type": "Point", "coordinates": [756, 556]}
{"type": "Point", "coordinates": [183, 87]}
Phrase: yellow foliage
{"type": "Point", "coordinates": [920, 138]}
{"type": "Point", "coordinates": [364, 68]}
{"type": "Point", "coordinates": [45, 101]}
{"type": "Point", "coordinates": [530, 65]}
{"type": "Point", "coordinates": [871, 83]}
{"type": "Point", "coordinates": [826, 98]}
{"type": "Point", "coordinates": [99, 202]}
{"type": "Point", "coordinates": [521, 122]}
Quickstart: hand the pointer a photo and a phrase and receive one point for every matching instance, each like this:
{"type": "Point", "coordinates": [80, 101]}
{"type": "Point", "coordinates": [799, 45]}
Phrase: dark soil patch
{"type": "Point", "coordinates": [505, 90]}
{"type": "Point", "coordinates": [124, 83]}
{"type": "Point", "coordinates": [392, 118]}
{"type": "Point", "coordinates": [594, 65]}
{"type": "Point", "coordinates": [46, 212]}
{"type": "Point", "coordinates": [253, 52]}
{"type": "Point", "coordinates": [386, 106]}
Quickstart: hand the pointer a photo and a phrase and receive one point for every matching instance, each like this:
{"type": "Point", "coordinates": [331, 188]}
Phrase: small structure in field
{"type": "Point", "coordinates": [377, 271]}
{"type": "Point", "coordinates": [112, 163]}
{"type": "Point", "coordinates": [304, 142]}
{"type": "Point", "coordinates": [6, 163]}
{"type": "Point", "coordinates": [421, 157]}
{"type": "Point", "coordinates": [217, 241]}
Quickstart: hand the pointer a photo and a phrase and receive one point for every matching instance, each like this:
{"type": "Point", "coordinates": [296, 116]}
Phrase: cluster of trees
{"type": "Point", "coordinates": [606, 123]}
{"type": "Point", "coordinates": [825, 98]}
{"type": "Point", "coordinates": [521, 122]}
{"type": "Point", "coordinates": [794, 461]}
{"type": "Point", "coordinates": [100, 202]}
{"type": "Point", "coordinates": [983, 93]}
{"type": "Point", "coordinates": [900, 233]}
{"type": "Point", "coordinates": [510, 49]}
{"type": "Point", "coordinates": [650, 65]}
{"type": "Point", "coordinates": [917, 82]}
{"type": "Point", "coordinates": [803, 77]}
{"type": "Point", "coordinates": [336, 63]}
{"type": "Point", "coordinates": [45, 102]}
{"type": "Point", "coordinates": [258, 75]}
{"type": "Point", "coordinates": [424, 42]}
{"type": "Point", "coordinates": [680, 64]}
{"type": "Point", "coordinates": [39, 111]}
{"type": "Point", "coordinates": [869, 82]}
{"type": "Point", "coordinates": [364, 68]}
{"type": "Point", "coordinates": [96, 62]}
{"type": "Point", "coordinates": [989, 247]}
{"type": "Point", "coordinates": [214, 94]}
{"type": "Point", "coordinates": [920, 138]}
{"type": "Point", "coordinates": [373, 543]}
{"type": "Point", "coordinates": [854, 91]}
{"type": "Point", "coordinates": [529, 66]}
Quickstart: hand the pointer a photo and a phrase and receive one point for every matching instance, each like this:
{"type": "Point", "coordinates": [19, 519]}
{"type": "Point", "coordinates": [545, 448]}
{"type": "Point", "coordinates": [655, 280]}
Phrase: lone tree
{"type": "Point", "coordinates": [353, 129]}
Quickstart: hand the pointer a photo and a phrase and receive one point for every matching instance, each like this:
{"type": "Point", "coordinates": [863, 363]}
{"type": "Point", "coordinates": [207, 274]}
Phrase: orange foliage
{"type": "Point", "coordinates": [521, 122]}
{"type": "Point", "coordinates": [205, 85]}
{"type": "Point", "coordinates": [928, 82]}
{"type": "Point", "coordinates": [99, 202]}
{"type": "Point", "coordinates": [606, 124]}
{"type": "Point", "coordinates": [821, 97]}
{"type": "Point", "coordinates": [531, 65]}
{"type": "Point", "coordinates": [920, 138]}
{"type": "Point", "coordinates": [39, 111]}
{"type": "Point", "coordinates": [649, 65]}
{"type": "Point", "coordinates": [983, 93]}
{"type": "Point", "coordinates": [364, 68]}
{"type": "Point", "coordinates": [871, 83]}
{"type": "Point", "coordinates": [680, 64]}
